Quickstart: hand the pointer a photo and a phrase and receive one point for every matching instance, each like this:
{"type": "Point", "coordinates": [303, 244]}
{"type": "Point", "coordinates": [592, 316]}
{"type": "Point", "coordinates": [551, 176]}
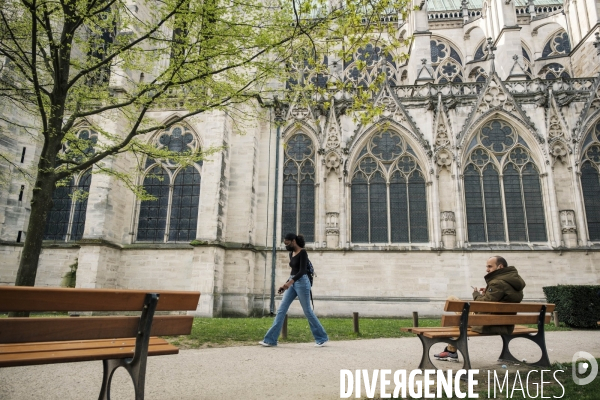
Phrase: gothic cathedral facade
{"type": "Point", "coordinates": [488, 143]}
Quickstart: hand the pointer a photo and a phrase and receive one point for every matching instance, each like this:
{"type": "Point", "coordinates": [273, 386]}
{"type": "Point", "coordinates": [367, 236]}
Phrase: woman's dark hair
{"type": "Point", "coordinates": [298, 238]}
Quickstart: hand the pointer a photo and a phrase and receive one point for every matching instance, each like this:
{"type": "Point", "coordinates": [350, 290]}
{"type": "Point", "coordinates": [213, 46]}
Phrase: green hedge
{"type": "Point", "coordinates": [577, 305]}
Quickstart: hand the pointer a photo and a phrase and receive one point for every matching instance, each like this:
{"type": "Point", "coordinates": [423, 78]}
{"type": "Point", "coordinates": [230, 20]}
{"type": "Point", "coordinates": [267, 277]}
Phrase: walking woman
{"type": "Point", "coordinates": [297, 285]}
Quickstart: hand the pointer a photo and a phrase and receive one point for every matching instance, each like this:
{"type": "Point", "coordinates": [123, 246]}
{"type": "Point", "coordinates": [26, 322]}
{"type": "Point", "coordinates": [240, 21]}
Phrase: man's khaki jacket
{"type": "Point", "coordinates": [503, 285]}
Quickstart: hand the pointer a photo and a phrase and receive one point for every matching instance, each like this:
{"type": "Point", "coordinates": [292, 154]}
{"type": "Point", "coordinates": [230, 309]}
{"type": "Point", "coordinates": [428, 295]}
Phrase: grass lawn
{"type": "Point", "coordinates": [219, 332]}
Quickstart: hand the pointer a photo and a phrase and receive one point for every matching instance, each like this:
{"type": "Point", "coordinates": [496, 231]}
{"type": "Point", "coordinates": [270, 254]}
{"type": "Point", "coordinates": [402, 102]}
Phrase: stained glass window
{"type": "Point", "coordinates": [388, 194]}
{"type": "Point", "coordinates": [590, 182]}
{"type": "Point", "coordinates": [446, 61]}
{"type": "Point", "coordinates": [78, 224]}
{"type": "Point", "coordinates": [153, 213]}
{"type": "Point", "coordinates": [66, 220]}
{"type": "Point", "coordinates": [376, 61]}
{"type": "Point", "coordinates": [557, 45]}
{"type": "Point", "coordinates": [57, 225]}
{"type": "Point", "coordinates": [173, 214]}
{"type": "Point", "coordinates": [184, 209]}
{"type": "Point", "coordinates": [298, 208]}
{"type": "Point", "coordinates": [516, 200]}
{"type": "Point", "coordinates": [554, 71]}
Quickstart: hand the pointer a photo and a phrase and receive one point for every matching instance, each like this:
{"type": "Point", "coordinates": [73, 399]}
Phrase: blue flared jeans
{"type": "Point", "coordinates": [300, 289]}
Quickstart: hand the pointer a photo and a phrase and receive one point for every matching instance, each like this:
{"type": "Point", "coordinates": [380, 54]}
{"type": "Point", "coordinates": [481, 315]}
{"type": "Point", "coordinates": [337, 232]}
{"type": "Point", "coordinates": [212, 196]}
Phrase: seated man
{"type": "Point", "coordinates": [503, 285]}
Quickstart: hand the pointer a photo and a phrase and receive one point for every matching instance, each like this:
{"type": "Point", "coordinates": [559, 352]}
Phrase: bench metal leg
{"type": "Point", "coordinates": [137, 373]}
{"type": "Point", "coordinates": [537, 338]}
{"type": "Point", "coordinates": [460, 343]}
{"type": "Point", "coordinates": [136, 366]}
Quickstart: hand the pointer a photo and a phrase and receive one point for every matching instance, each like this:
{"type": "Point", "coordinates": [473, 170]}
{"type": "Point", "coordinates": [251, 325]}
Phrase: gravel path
{"type": "Point", "coordinates": [289, 371]}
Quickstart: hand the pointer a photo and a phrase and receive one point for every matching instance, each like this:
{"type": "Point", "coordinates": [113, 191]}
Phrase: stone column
{"type": "Point", "coordinates": [448, 229]}
{"type": "Point", "coordinates": [569, 228]}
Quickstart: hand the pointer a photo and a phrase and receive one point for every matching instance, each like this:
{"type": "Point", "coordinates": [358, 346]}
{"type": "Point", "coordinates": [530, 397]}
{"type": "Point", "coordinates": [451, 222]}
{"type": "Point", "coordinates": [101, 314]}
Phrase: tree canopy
{"type": "Point", "coordinates": [68, 61]}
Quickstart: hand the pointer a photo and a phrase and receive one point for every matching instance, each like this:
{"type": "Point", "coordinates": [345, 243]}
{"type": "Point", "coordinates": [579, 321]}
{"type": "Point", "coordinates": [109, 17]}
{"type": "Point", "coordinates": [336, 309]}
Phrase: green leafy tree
{"type": "Point", "coordinates": [66, 61]}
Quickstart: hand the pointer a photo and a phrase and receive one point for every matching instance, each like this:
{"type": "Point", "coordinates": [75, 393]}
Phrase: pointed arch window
{"type": "Point", "coordinates": [388, 195]}
{"type": "Point", "coordinates": [173, 214]}
{"type": "Point", "coordinates": [66, 220]}
{"type": "Point", "coordinates": [558, 44]}
{"type": "Point", "coordinates": [478, 74]}
{"type": "Point", "coordinates": [298, 208]}
{"type": "Point", "coordinates": [590, 182]}
{"type": "Point", "coordinates": [554, 71]}
{"type": "Point", "coordinates": [507, 206]}
{"type": "Point", "coordinates": [376, 61]}
{"type": "Point", "coordinates": [446, 61]}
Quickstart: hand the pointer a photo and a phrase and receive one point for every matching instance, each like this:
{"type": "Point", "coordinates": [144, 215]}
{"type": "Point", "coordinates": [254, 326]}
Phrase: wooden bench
{"type": "Point", "coordinates": [456, 328]}
{"type": "Point", "coordinates": [119, 340]}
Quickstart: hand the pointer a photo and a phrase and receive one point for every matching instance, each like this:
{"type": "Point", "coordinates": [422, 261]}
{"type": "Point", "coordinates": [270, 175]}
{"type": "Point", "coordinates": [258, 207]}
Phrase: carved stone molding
{"type": "Point", "coordinates": [447, 216]}
{"type": "Point", "coordinates": [332, 162]}
{"type": "Point", "coordinates": [559, 152]}
{"type": "Point", "coordinates": [332, 232]}
{"type": "Point", "coordinates": [332, 221]}
{"type": "Point", "coordinates": [300, 112]}
{"type": "Point", "coordinates": [555, 130]}
{"type": "Point", "coordinates": [443, 159]}
{"type": "Point", "coordinates": [447, 221]}
{"type": "Point", "coordinates": [567, 221]}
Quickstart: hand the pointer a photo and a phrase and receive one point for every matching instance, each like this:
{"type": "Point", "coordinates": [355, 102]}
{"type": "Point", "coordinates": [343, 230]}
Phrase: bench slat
{"type": "Point", "coordinates": [454, 330]}
{"type": "Point", "coordinates": [48, 357]}
{"type": "Point", "coordinates": [454, 320]}
{"type": "Point", "coordinates": [72, 345]}
{"type": "Point", "coordinates": [35, 299]}
{"type": "Point", "coordinates": [449, 334]}
{"type": "Point", "coordinates": [23, 330]}
{"type": "Point", "coordinates": [494, 307]}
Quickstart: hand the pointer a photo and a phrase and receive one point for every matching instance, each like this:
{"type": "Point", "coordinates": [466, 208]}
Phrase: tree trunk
{"type": "Point", "coordinates": [41, 204]}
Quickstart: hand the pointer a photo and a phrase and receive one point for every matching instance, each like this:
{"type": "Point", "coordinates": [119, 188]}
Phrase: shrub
{"type": "Point", "coordinates": [577, 305]}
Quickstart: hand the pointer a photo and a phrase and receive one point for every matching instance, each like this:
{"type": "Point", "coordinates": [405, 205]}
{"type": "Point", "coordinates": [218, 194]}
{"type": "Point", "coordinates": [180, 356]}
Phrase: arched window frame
{"type": "Point", "coordinates": [302, 219]}
{"type": "Point", "coordinates": [77, 206]}
{"type": "Point", "coordinates": [481, 54]}
{"type": "Point", "coordinates": [478, 74]}
{"type": "Point", "coordinates": [554, 71]}
{"type": "Point", "coordinates": [388, 170]}
{"type": "Point", "coordinates": [376, 62]}
{"type": "Point", "coordinates": [558, 44]}
{"type": "Point", "coordinates": [590, 162]}
{"type": "Point", "coordinates": [75, 221]}
{"type": "Point", "coordinates": [301, 72]}
{"type": "Point", "coordinates": [446, 60]}
{"type": "Point", "coordinates": [190, 142]}
{"type": "Point", "coordinates": [484, 154]}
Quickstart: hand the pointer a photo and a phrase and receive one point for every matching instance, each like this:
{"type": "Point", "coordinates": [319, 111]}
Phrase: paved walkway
{"type": "Point", "coordinates": [290, 371]}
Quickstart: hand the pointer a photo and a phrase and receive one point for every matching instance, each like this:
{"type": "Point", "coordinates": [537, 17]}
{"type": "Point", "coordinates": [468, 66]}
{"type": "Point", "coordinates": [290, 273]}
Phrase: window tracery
{"type": "Point", "coordinates": [503, 196]}
{"type": "Point", "coordinates": [66, 219]}
{"type": "Point", "coordinates": [554, 71]}
{"type": "Point", "coordinates": [388, 194]}
{"type": "Point", "coordinates": [173, 215]}
{"type": "Point", "coordinates": [590, 182]}
{"type": "Point", "coordinates": [558, 44]}
{"type": "Point", "coordinates": [298, 207]}
{"type": "Point", "coordinates": [376, 61]}
{"type": "Point", "coordinates": [302, 71]}
{"type": "Point", "coordinates": [446, 61]}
